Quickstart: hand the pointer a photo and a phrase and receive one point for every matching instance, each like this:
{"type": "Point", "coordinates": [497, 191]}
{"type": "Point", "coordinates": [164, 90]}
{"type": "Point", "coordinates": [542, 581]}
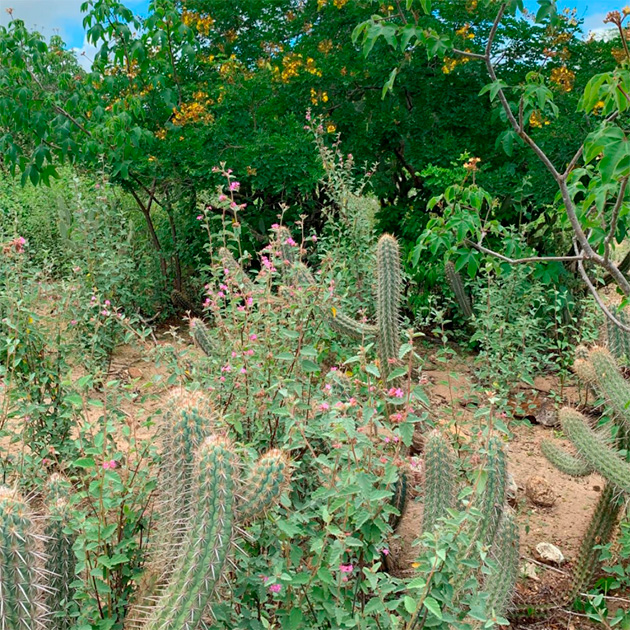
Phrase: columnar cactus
{"type": "Point", "coordinates": [234, 270]}
{"type": "Point", "coordinates": [207, 544]}
{"type": "Point", "coordinates": [182, 302]}
{"type": "Point", "coordinates": [563, 461]}
{"type": "Point", "coordinates": [201, 336]}
{"type": "Point", "coordinates": [21, 585]}
{"type": "Point", "coordinates": [388, 288]}
{"type": "Point", "coordinates": [439, 479]}
{"type": "Point", "coordinates": [499, 583]}
{"type": "Point", "coordinates": [454, 280]}
{"type": "Point", "coordinates": [60, 561]}
{"type": "Point", "coordinates": [491, 523]}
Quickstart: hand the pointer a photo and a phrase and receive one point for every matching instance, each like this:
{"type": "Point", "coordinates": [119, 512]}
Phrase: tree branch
{"type": "Point", "coordinates": [520, 261]}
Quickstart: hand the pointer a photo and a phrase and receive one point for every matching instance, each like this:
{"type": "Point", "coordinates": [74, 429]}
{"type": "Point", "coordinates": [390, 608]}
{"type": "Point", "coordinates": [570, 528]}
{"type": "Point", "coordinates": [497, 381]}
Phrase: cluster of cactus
{"type": "Point", "coordinates": [493, 525]}
{"type": "Point", "coordinates": [36, 568]}
{"type": "Point", "coordinates": [205, 499]}
{"type": "Point", "coordinates": [604, 451]}
{"type": "Point", "coordinates": [618, 339]}
{"type": "Point", "coordinates": [456, 283]}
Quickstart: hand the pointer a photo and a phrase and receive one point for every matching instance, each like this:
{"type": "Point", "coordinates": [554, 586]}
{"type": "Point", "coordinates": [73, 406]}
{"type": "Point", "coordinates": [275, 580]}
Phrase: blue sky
{"type": "Point", "coordinates": [64, 16]}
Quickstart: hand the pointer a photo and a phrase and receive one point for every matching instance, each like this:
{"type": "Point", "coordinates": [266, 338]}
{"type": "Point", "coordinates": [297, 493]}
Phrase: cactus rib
{"type": "Point", "coordinates": [201, 336]}
{"type": "Point", "coordinates": [563, 461]}
{"type": "Point", "coordinates": [611, 383]}
{"type": "Point", "coordinates": [348, 326]}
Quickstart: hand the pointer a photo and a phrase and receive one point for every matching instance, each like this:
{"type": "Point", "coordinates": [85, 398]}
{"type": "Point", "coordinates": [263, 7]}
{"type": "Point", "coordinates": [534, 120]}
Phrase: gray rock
{"type": "Point", "coordinates": [549, 553]}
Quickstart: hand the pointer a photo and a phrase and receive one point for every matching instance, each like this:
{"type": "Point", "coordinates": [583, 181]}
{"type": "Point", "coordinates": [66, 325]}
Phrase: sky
{"type": "Point", "coordinates": [64, 17]}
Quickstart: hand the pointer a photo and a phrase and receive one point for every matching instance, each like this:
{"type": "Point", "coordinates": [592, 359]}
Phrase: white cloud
{"type": "Point", "coordinates": [595, 24]}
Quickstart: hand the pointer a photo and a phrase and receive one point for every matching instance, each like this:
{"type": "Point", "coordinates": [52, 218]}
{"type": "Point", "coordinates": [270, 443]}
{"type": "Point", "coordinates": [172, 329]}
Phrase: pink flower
{"type": "Point", "coordinates": [222, 379]}
{"type": "Point", "coordinates": [243, 370]}
{"type": "Point", "coordinates": [324, 406]}
{"type": "Point", "coordinates": [249, 301]}
{"type": "Point", "coordinates": [110, 464]}
{"type": "Point", "coordinates": [346, 568]}
{"type": "Point", "coordinates": [226, 271]}
{"type": "Point", "coordinates": [395, 392]}
{"type": "Point", "coordinates": [105, 312]}
{"type": "Point", "coordinates": [275, 226]}
{"type": "Point", "coordinates": [200, 217]}
{"type": "Point", "coordinates": [220, 294]}
{"type": "Point", "coordinates": [107, 303]}
{"type": "Point", "coordinates": [275, 588]}
{"type": "Point", "coordinates": [290, 241]}
{"type": "Point", "coordinates": [223, 197]}
{"type": "Point", "coordinates": [328, 387]}
{"type": "Point", "coordinates": [234, 355]}
{"type": "Point", "coordinates": [253, 337]}
{"type": "Point", "coordinates": [74, 322]}
{"type": "Point", "coordinates": [336, 445]}
{"type": "Point", "coordinates": [235, 186]}
{"type": "Point", "coordinates": [385, 551]}
{"type": "Point", "coordinates": [264, 578]}
{"type": "Point", "coordinates": [314, 238]}
{"type": "Point", "coordinates": [386, 440]}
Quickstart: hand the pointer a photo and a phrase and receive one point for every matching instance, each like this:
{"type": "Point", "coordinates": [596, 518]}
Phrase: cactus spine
{"type": "Point", "coordinates": [205, 551]}
{"type": "Point", "coordinates": [611, 383]}
{"type": "Point", "coordinates": [563, 461]}
{"type": "Point", "coordinates": [456, 283]}
{"type": "Point", "coordinates": [347, 326]}
{"type": "Point", "coordinates": [21, 607]}
{"type": "Point", "coordinates": [60, 558]}
{"type": "Point", "coordinates": [439, 484]}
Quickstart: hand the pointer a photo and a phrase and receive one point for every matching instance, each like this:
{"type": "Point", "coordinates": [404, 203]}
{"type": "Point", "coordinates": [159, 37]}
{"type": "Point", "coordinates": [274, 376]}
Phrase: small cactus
{"type": "Point", "coordinates": [456, 283]}
{"type": "Point", "coordinates": [182, 302]}
{"type": "Point", "coordinates": [201, 336]}
{"type": "Point", "coordinates": [348, 326]}
{"type": "Point", "coordinates": [264, 485]}
{"type": "Point", "coordinates": [618, 339]}
{"type": "Point", "coordinates": [234, 270]}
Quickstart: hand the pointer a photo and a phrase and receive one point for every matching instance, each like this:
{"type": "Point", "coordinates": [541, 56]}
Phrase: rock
{"type": "Point", "coordinates": [540, 492]}
{"type": "Point", "coordinates": [549, 553]}
{"type": "Point", "coordinates": [547, 415]}
{"type": "Point", "coordinates": [528, 570]}
{"type": "Point", "coordinates": [134, 372]}
{"type": "Point", "coordinates": [512, 488]}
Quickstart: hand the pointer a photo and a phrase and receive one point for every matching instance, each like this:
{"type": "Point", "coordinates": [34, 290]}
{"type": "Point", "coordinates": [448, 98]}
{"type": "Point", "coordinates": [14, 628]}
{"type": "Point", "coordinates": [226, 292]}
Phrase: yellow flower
{"type": "Point", "coordinates": [325, 46]}
{"type": "Point", "coordinates": [449, 65]}
{"type": "Point", "coordinates": [536, 120]}
{"type": "Point", "coordinates": [339, 3]}
{"type": "Point", "coordinates": [325, 97]}
{"type": "Point", "coordinates": [331, 128]}
{"type": "Point", "coordinates": [563, 78]}
{"type": "Point", "coordinates": [152, 158]}
{"type": "Point", "coordinates": [599, 106]}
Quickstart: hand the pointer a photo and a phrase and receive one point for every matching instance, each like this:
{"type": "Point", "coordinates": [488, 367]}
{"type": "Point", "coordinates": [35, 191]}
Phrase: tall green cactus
{"type": "Point", "coordinates": [456, 283]}
{"type": "Point", "coordinates": [500, 582]}
{"type": "Point", "coordinates": [388, 278]}
{"type": "Point", "coordinates": [21, 585]}
{"type": "Point", "coordinates": [235, 270]}
{"type": "Point", "coordinates": [489, 525]}
{"type": "Point", "coordinates": [611, 383]}
{"type": "Point", "coordinates": [439, 479]}
{"type": "Point", "coordinates": [60, 558]}
{"type": "Point", "coordinates": [563, 461]}
{"type": "Point", "coordinates": [201, 336]}
{"type": "Point", "coordinates": [207, 544]}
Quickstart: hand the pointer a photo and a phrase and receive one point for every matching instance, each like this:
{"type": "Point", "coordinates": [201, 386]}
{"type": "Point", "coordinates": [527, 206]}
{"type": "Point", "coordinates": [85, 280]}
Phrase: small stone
{"type": "Point", "coordinates": [512, 488]}
{"type": "Point", "coordinates": [547, 415]}
{"type": "Point", "coordinates": [134, 372]}
{"type": "Point", "coordinates": [549, 553]}
{"type": "Point", "coordinates": [540, 492]}
{"type": "Point", "coordinates": [528, 570]}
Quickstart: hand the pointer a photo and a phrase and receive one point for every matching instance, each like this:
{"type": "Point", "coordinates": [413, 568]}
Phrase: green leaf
{"type": "Point", "coordinates": [410, 604]}
{"type": "Point", "coordinates": [84, 462]}
{"type": "Point", "coordinates": [433, 607]}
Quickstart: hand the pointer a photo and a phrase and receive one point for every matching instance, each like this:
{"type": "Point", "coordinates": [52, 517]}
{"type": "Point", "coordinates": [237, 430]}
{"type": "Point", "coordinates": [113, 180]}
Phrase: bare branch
{"type": "Point", "coordinates": [598, 298]}
{"type": "Point", "coordinates": [470, 55]}
{"type": "Point", "coordinates": [520, 261]}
